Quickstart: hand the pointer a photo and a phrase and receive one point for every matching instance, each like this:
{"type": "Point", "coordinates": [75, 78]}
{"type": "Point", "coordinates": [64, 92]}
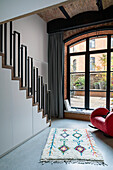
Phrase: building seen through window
{"type": "Point", "coordinates": [92, 63]}
{"type": "Point", "coordinates": [74, 65]}
{"type": "Point", "coordinates": [112, 42]}
{"type": "Point", "coordinates": [92, 43]}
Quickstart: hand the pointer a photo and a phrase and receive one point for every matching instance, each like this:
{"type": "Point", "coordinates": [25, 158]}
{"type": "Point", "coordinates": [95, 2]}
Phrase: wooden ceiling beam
{"type": "Point", "coordinates": [99, 4]}
{"type": "Point", "coordinates": [81, 20]}
{"type": "Point", "coordinates": [64, 12]}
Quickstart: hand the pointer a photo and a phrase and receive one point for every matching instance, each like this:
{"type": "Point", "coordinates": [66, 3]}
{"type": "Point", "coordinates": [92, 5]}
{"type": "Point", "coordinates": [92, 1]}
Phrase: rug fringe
{"type": "Point", "coordinates": [74, 162]}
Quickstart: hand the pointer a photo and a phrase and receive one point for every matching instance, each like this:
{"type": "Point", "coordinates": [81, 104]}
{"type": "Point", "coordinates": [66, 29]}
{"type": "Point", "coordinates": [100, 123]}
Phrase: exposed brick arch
{"type": "Point", "coordinates": [74, 40]}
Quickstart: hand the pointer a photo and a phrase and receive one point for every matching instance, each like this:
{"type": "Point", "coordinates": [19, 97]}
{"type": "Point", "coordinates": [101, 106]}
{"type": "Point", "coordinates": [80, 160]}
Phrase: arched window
{"type": "Point", "coordinates": [91, 72]}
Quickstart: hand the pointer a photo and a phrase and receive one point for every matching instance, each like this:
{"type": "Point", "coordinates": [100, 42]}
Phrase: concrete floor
{"type": "Point", "coordinates": [27, 156]}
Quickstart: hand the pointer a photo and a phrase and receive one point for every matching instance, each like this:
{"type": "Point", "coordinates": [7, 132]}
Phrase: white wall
{"type": "Point", "coordinates": [33, 34]}
{"type": "Point", "coordinates": [19, 120]}
{"type": "Point", "coordinates": [15, 112]}
{"type": "Point", "coordinates": [13, 8]}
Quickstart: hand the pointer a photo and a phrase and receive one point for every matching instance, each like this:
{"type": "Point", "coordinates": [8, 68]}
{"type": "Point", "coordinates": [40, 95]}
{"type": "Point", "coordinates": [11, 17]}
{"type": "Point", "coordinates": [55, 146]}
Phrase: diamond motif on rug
{"type": "Point", "coordinates": [78, 146]}
{"type": "Point", "coordinates": [64, 135]}
{"type": "Point", "coordinates": [63, 148]}
{"type": "Point", "coordinates": [77, 135]}
{"type": "Point", "coordinates": [80, 149]}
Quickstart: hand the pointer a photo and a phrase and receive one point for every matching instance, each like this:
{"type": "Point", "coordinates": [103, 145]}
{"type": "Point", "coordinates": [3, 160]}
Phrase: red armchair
{"type": "Point", "coordinates": [104, 124]}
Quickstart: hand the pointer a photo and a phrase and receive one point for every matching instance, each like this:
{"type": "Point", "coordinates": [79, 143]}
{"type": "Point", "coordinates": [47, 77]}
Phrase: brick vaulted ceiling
{"type": "Point", "coordinates": [72, 8]}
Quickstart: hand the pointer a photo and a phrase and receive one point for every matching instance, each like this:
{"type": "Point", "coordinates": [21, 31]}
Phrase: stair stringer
{"type": "Point", "coordinates": [37, 116]}
{"type": "Point", "coordinates": [17, 115]}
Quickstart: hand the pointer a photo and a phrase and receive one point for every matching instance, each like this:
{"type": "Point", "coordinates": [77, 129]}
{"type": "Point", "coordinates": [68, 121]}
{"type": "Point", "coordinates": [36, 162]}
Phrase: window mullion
{"type": "Point", "coordinates": [87, 75]}
{"type": "Point", "coordinates": [108, 72]}
{"type": "Point", "coordinates": [68, 74]}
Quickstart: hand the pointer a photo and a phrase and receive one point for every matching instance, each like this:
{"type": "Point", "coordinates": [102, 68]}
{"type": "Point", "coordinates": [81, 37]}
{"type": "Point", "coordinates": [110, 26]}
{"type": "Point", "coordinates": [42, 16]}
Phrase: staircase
{"type": "Point", "coordinates": [23, 70]}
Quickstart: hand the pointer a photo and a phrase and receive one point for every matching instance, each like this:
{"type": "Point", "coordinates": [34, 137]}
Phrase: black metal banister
{"type": "Point", "coordinates": [45, 108]}
{"type": "Point", "coordinates": [1, 38]}
{"type": "Point", "coordinates": [25, 66]}
{"type": "Point", "coordinates": [16, 32]}
{"type": "Point", "coordinates": [37, 83]}
{"type": "Point", "coordinates": [22, 67]}
{"type": "Point", "coordinates": [14, 53]}
{"type": "Point", "coordinates": [19, 55]}
{"type": "Point", "coordinates": [34, 83]}
{"type": "Point", "coordinates": [31, 76]}
{"type": "Point", "coordinates": [5, 43]}
{"type": "Point", "coordinates": [11, 43]}
{"type": "Point", "coordinates": [28, 60]}
{"type": "Point", "coordinates": [43, 97]}
{"type": "Point", "coordinates": [49, 102]}
{"type": "Point", "coordinates": [39, 91]}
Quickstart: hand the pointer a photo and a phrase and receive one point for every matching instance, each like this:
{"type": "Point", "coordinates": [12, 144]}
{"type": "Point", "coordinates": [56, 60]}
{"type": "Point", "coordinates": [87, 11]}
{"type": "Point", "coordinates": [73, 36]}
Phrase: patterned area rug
{"type": "Point", "coordinates": [71, 145]}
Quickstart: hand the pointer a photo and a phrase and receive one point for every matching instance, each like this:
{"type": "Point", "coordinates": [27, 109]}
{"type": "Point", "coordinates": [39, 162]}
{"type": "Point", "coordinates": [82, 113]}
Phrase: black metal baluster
{"type": "Point", "coordinates": [43, 97]}
{"type": "Point", "coordinates": [18, 54]}
{"type": "Point", "coordinates": [28, 75]}
{"type": "Point", "coordinates": [11, 43]}
{"type": "Point", "coordinates": [14, 54]}
{"type": "Point", "coordinates": [34, 83]}
{"type": "Point", "coordinates": [37, 84]}
{"type": "Point", "coordinates": [1, 38]}
{"type": "Point", "coordinates": [31, 76]}
{"type": "Point", "coordinates": [5, 42]}
{"type": "Point", "coordinates": [46, 104]}
{"type": "Point", "coordinates": [21, 65]}
{"type": "Point", "coordinates": [25, 66]}
{"type": "Point", "coordinates": [49, 110]}
{"type": "Point", "coordinates": [39, 91]}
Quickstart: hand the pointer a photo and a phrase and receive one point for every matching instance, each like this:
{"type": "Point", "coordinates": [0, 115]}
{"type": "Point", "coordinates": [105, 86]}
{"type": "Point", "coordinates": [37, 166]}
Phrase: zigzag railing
{"type": "Point", "coordinates": [23, 69]}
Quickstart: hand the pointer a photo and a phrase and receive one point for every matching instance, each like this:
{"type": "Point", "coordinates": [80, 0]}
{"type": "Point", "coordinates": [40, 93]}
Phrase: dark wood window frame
{"type": "Point", "coordinates": [87, 67]}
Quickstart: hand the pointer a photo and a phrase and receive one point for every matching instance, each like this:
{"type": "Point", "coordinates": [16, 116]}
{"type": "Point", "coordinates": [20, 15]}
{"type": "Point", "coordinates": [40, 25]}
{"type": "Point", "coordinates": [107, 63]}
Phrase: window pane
{"type": "Point", "coordinates": [98, 62]}
{"type": "Point", "coordinates": [98, 43]}
{"type": "Point", "coordinates": [78, 47]}
{"type": "Point", "coordinates": [77, 99]}
{"type": "Point", "coordinates": [111, 83]}
{"type": "Point", "coordinates": [98, 81]}
{"type": "Point", "coordinates": [97, 99]}
{"type": "Point", "coordinates": [77, 63]}
{"type": "Point", "coordinates": [111, 100]}
{"type": "Point", "coordinates": [111, 41]}
{"type": "Point", "coordinates": [77, 81]}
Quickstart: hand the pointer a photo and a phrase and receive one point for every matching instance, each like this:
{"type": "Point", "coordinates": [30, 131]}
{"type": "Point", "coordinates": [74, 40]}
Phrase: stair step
{"type": "Point", "coordinates": [35, 104]}
{"type": "Point", "coordinates": [1, 54]}
{"type": "Point", "coordinates": [28, 97]}
{"type": "Point", "coordinates": [7, 66]}
{"type": "Point", "coordinates": [23, 88]}
{"type": "Point", "coordinates": [16, 78]}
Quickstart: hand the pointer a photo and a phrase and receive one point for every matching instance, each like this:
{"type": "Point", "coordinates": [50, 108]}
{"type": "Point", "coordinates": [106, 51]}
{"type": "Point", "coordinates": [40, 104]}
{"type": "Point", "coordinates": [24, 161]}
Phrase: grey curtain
{"type": "Point", "coordinates": [55, 73]}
